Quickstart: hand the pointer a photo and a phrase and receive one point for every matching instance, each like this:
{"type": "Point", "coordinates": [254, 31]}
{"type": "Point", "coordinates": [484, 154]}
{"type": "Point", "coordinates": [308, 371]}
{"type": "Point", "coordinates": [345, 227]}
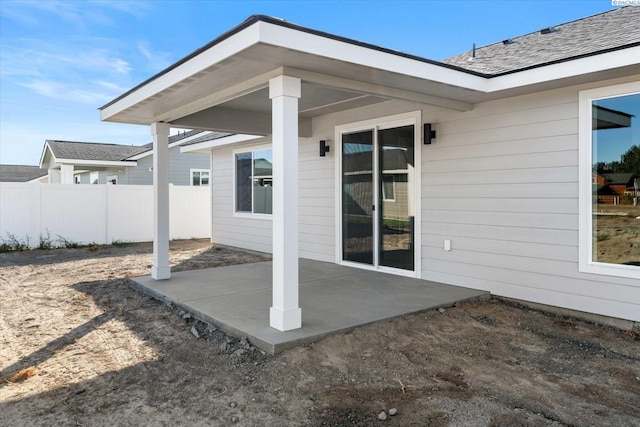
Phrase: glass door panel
{"type": "Point", "coordinates": [396, 175]}
{"type": "Point", "coordinates": [358, 197]}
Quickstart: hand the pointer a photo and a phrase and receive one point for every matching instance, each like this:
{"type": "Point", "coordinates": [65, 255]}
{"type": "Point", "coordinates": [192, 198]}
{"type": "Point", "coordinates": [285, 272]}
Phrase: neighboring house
{"type": "Point", "coordinates": [616, 188]}
{"type": "Point", "coordinates": [95, 163]}
{"type": "Point", "coordinates": [499, 198]}
{"type": "Point", "coordinates": [22, 173]}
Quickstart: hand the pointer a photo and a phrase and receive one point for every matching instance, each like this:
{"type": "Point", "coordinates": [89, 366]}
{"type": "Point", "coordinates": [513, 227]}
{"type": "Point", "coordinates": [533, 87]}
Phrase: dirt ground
{"type": "Point", "coordinates": [102, 354]}
{"type": "Point", "coordinates": [617, 236]}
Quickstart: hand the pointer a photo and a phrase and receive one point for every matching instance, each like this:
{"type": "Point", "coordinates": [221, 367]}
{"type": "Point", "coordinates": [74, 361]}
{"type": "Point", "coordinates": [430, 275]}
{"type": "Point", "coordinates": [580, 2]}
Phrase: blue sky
{"type": "Point", "coordinates": [61, 60]}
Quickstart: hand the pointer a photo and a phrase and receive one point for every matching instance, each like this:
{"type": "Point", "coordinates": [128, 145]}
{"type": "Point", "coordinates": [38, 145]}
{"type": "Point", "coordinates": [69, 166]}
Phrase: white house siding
{"type": "Point", "coordinates": [228, 229]}
{"type": "Point", "coordinates": [501, 182]}
{"type": "Point", "coordinates": [316, 197]}
{"type": "Point", "coordinates": [180, 165]}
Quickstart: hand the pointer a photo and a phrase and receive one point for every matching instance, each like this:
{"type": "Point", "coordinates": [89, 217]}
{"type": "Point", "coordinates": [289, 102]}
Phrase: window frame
{"type": "Point", "coordinates": [585, 189]}
{"type": "Point", "coordinates": [192, 171]}
{"type": "Point", "coordinates": [385, 196]}
{"type": "Point", "coordinates": [112, 178]}
{"type": "Point", "coordinates": [93, 174]}
{"type": "Point", "coordinates": [241, 214]}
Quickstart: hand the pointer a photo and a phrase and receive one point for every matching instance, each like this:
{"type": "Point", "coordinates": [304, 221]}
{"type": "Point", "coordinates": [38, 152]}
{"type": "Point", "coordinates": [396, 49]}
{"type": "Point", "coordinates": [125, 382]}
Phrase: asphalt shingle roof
{"type": "Point", "coordinates": [20, 173]}
{"type": "Point", "coordinates": [598, 33]}
{"type": "Point", "coordinates": [92, 150]}
{"type": "Point", "coordinates": [114, 152]}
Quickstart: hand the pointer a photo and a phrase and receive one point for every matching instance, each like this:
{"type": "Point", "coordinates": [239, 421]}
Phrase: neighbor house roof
{"type": "Point", "coordinates": [100, 152]}
{"type": "Point", "coordinates": [599, 33]}
{"type": "Point", "coordinates": [20, 173]}
{"type": "Point", "coordinates": [619, 178]}
{"type": "Point", "coordinates": [92, 150]}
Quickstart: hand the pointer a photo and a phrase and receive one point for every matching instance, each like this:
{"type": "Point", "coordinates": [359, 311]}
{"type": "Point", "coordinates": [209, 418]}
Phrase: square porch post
{"type": "Point", "coordinates": [285, 314]}
{"type": "Point", "coordinates": [160, 269]}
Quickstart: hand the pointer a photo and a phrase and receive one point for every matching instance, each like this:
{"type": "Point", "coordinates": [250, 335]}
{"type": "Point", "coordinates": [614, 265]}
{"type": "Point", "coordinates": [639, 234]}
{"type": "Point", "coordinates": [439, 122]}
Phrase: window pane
{"type": "Point", "coordinates": [195, 178]}
{"type": "Point", "coordinates": [204, 178]}
{"type": "Point", "coordinates": [243, 182]}
{"type": "Point", "coordinates": [357, 197]}
{"type": "Point", "coordinates": [388, 189]}
{"type": "Point", "coordinates": [396, 213]}
{"type": "Point", "coordinates": [616, 180]}
{"type": "Point", "coordinates": [262, 181]}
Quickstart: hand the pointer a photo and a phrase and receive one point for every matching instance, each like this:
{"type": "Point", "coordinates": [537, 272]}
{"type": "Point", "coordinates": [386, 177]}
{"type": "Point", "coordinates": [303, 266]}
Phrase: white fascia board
{"type": "Point", "coordinates": [44, 151]}
{"type": "Point", "coordinates": [172, 145]}
{"type": "Point", "coordinates": [571, 68]}
{"type": "Point", "coordinates": [207, 145]}
{"type": "Point", "coordinates": [96, 162]}
{"type": "Point", "coordinates": [215, 54]}
{"type": "Point", "coordinates": [38, 180]}
{"type": "Point", "coordinates": [361, 55]}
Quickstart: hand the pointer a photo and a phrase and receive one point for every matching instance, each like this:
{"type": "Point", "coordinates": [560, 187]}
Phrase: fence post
{"type": "Point", "coordinates": [38, 209]}
{"type": "Point", "coordinates": [107, 237]}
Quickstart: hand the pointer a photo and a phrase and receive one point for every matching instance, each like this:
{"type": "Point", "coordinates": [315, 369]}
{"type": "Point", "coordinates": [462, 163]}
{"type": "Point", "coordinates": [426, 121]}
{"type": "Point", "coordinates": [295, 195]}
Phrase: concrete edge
{"type": "Point", "coordinates": [273, 349]}
{"type": "Point", "coordinates": [279, 348]}
{"type": "Point", "coordinates": [615, 322]}
{"type": "Point", "coordinates": [262, 345]}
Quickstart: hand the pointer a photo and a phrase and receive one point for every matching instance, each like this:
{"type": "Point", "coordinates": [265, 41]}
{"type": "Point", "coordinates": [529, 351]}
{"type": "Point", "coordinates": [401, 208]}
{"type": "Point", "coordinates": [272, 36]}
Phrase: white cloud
{"type": "Point", "coordinates": [67, 92]}
{"type": "Point", "coordinates": [78, 13]}
{"type": "Point", "coordinates": [156, 60]}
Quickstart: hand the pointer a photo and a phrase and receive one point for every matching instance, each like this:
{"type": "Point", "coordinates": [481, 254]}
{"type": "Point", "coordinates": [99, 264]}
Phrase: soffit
{"type": "Point", "coordinates": [259, 62]}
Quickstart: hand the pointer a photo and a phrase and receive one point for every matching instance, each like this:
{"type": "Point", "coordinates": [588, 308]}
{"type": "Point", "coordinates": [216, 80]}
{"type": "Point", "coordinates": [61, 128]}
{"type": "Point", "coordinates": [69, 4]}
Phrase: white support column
{"type": "Point", "coordinates": [66, 174]}
{"type": "Point", "coordinates": [160, 269]}
{"type": "Point", "coordinates": [285, 314]}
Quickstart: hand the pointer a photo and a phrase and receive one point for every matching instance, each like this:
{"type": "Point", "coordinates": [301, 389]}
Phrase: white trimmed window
{"type": "Point", "coordinates": [253, 181]}
{"type": "Point", "coordinates": [94, 177]}
{"type": "Point", "coordinates": [610, 180]}
{"type": "Point", "coordinates": [112, 179]}
{"type": "Point", "coordinates": [388, 188]}
{"type": "Point", "coordinates": [200, 177]}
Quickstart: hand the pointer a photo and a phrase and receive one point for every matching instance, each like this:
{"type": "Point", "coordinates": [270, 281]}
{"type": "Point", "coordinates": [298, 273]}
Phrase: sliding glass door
{"type": "Point", "coordinates": [358, 197]}
{"type": "Point", "coordinates": [378, 187]}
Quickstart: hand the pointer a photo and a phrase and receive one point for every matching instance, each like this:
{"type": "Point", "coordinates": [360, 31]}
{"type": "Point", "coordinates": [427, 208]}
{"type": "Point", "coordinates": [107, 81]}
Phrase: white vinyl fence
{"type": "Point", "coordinates": [99, 213]}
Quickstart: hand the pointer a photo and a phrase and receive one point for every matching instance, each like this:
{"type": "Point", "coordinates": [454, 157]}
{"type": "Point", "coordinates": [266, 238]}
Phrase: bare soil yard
{"type": "Point", "coordinates": [617, 236]}
{"type": "Point", "coordinates": [104, 355]}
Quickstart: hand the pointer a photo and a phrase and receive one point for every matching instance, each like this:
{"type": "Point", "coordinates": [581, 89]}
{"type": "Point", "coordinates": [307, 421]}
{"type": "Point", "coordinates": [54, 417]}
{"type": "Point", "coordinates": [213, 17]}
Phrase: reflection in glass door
{"type": "Point", "coordinates": [396, 214]}
{"type": "Point", "coordinates": [378, 209]}
{"type": "Point", "coordinates": [357, 197]}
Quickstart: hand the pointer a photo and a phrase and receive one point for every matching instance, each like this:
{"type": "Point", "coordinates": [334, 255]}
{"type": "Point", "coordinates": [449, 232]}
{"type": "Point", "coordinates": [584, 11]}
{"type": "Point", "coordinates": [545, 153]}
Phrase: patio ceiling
{"type": "Point", "coordinates": [224, 85]}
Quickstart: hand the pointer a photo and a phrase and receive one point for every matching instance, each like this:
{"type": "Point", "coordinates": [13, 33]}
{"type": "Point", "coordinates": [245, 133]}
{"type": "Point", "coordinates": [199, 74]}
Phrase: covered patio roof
{"type": "Point", "coordinates": [223, 86]}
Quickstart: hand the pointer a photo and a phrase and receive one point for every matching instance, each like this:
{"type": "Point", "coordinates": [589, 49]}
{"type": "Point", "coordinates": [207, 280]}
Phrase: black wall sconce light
{"type": "Point", "coordinates": [324, 148]}
{"type": "Point", "coordinates": [429, 133]}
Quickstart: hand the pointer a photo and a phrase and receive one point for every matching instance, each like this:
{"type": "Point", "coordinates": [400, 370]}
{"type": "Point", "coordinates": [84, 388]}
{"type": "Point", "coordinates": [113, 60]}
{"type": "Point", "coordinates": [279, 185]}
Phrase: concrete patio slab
{"type": "Point", "coordinates": [333, 299]}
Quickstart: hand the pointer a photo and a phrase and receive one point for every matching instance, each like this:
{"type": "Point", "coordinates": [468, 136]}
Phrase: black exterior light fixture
{"type": "Point", "coordinates": [429, 133]}
{"type": "Point", "coordinates": [324, 148]}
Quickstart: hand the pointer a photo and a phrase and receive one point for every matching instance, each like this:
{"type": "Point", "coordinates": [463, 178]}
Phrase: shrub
{"type": "Point", "coordinates": [67, 243]}
{"type": "Point", "coordinates": [13, 243]}
{"type": "Point", "coordinates": [45, 241]}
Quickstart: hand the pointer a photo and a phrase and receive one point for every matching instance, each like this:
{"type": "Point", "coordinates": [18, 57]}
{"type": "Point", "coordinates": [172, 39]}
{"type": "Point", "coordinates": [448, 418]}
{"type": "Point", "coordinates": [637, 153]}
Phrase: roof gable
{"type": "Point", "coordinates": [91, 150]}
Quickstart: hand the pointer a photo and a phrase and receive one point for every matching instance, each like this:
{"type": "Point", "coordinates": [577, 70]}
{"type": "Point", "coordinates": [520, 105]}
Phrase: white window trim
{"type": "Point", "coordinates": [404, 119]}
{"type": "Point", "coordinates": [585, 250]}
{"type": "Point", "coordinates": [92, 174]}
{"type": "Point", "coordinates": [191, 171]}
{"type": "Point", "coordinates": [393, 184]}
{"type": "Point", "coordinates": [110, 177]}
{"type": "Point", "coordinates": [251, 215]}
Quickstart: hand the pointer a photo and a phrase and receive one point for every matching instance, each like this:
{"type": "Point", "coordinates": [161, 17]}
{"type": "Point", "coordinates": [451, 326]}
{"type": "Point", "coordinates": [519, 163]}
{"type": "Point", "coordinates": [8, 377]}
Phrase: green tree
{"type": "Point", "coordinates": [630, 161]}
